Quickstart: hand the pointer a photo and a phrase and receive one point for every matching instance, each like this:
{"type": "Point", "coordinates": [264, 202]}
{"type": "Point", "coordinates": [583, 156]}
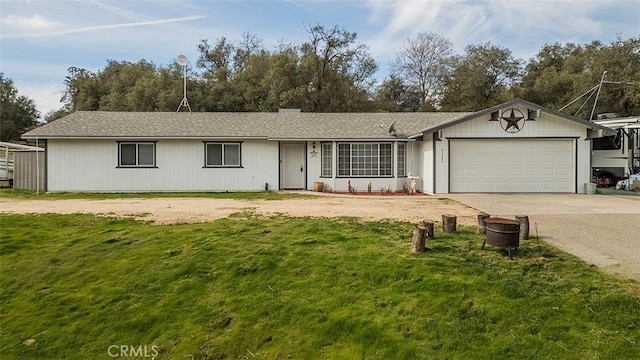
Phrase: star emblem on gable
{"type": "Point", "coordinates": [514, 122]}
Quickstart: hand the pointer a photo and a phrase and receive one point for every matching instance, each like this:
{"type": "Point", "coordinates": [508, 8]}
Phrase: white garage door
{"type": "Point", "coordinates": [524, 165]}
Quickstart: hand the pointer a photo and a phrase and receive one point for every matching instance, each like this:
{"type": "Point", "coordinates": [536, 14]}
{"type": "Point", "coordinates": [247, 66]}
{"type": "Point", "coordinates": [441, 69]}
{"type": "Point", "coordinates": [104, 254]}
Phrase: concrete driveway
{"type": "Point", "coordinates": [603, 230]}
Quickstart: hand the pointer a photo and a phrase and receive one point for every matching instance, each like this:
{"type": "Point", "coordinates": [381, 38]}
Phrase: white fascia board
{"type": "Point", "coordinates": [147, 137]}
{"type": "Point", "coordinates": [341, 139]}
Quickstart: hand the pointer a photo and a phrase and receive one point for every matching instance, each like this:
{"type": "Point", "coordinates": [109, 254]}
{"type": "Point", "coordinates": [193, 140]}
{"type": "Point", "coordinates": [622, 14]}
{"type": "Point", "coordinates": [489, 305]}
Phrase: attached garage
{"type": "Point", "coordinates": [512, 165]}
{"type": "Point", "coordinates": [515, 147]}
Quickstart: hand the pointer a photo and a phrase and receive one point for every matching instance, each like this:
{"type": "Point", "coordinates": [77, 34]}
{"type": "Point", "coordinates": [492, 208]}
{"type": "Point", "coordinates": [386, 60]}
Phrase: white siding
{"type": "Point", "coordinates": [426, 172]}
{"type": "Point", "coordinates": [547, 126]}
{"type": "Point", "coordinates": [314, 164]}
{"type": "Point", "coordinates": [91, 165]}
{"type": "Point", "coordinates": [415, 163]}
{"type": "Point", "coordinates": [441, 166]}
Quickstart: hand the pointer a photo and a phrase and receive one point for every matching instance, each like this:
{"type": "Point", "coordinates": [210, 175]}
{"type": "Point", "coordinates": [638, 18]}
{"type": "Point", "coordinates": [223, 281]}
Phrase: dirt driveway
{"type": "Point", "coordinates": [190, 210]}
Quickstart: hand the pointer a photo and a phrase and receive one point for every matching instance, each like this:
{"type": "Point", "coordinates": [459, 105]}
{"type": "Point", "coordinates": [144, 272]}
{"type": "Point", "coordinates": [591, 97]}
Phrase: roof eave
{"type": "Point", "coordinates": [147, 137]}
{"type": "Point", "coordinates": [387, 139]}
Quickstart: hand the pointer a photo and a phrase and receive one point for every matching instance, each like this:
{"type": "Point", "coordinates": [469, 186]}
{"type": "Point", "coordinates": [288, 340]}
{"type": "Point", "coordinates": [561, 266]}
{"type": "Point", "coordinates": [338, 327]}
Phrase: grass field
{"type": "Point", "coordinates": [74, 286]}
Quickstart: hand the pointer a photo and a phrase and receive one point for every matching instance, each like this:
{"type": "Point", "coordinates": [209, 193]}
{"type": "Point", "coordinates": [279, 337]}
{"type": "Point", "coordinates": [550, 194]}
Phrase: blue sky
{"type": "Point", "coordinates": [41, 39]}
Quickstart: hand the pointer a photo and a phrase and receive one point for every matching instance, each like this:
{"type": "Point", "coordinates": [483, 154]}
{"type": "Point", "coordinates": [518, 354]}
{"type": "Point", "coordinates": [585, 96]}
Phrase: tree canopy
{"type": "Point", "coordinates": [481, 78]}
{"type": "Point", "coordinates": [333, 72]}
{"type": "Point", "coordinates": [18, 113]}
{"type": "Point", "coordinates": [559, 74]}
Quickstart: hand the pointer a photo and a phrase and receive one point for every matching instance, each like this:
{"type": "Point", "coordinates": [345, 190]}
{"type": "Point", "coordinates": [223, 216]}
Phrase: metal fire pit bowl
{"type": "Point", "coordinates": [503, 233]}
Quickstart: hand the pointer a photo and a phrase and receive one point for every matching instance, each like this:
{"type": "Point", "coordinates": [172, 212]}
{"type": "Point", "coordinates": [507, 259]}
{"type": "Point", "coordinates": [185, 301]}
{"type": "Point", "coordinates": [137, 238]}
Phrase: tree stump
{"type": "Point", "coordinates": [482, 225]}
{"type": "Point", "coordinates": [524, 226]}
{"type": "Point", "coordinates": [417, 242]}
{"type": "Point", "coordinates": [429, 232]}
{"type": "Point", "coordinates": [449, 223]}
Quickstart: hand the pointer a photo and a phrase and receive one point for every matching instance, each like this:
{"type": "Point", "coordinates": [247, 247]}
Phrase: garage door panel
{"type": "Point", "coordinates": [522, 165]}
{"type": "Point", "coordinates": [488, 185]}
{"type": "Point", "coordinates": [533, 187]}
{"type": "Point", "coordinates": [517, 158]}
{"type": "Point", "coordinates": [533, 157]}
{"type": "Point", "coordinates": [546, 186]}
{"type": "Point", "coordinates": [475, 185]}
{"type": "Point", "coordinates": [564, 160]}
{"type": "Point", "coordinates": [534, 172]}
{"type": "Point", "coordinates": [488, 172]}
{"type": "Point", "coordinates": [547, 157]}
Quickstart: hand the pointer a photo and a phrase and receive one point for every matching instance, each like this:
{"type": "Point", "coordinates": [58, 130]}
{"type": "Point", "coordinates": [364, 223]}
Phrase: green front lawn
{"type": "Point", "coordinates": [300, 288]}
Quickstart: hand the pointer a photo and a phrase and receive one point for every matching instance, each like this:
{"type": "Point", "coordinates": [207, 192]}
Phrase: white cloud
{"type": "Point", "coordinates": [35, 22]}
{"type": "Point", "coordinates": [523, 26]}
{"type": "Point", "coordinates": [46, 95]}
{"type": "Point", "coordinates": [96, 28]}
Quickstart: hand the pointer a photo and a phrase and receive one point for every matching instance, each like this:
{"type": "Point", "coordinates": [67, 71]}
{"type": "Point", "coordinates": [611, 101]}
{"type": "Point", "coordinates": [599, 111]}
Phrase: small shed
{"type": "Point", "coordinates": [22, 166]}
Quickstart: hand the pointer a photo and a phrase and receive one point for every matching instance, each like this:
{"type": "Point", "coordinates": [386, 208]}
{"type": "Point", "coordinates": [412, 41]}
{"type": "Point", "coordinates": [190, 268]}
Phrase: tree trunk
{"type": "Point", "coordinates": [417, 242]}
{"type": "Point", "coordinates": [428, 224]}
{"type": "Point", "coordinates": [482, 225]}
{"type": "Point", "coordinates": [449, 223]}
{"type": "Point", "coordinates": [524, 226]}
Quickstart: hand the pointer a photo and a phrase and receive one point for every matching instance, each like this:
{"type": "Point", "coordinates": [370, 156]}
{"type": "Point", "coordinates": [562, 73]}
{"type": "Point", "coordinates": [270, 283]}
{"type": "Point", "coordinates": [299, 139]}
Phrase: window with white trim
{"type": "Point", "coordinates": [222, 155]}
{"type": "Point", "coordinates": [327, 159]}
{"type": "Point", "coordinates": [402, 159]}
{"type": "Point", "coordinates": [136, 154]}
{"type": "Point", "coordinates": [365, 159]}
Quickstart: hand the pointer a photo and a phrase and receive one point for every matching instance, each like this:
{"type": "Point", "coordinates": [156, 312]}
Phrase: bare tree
{"type": "Point", "coordinates": [333, 62]}
{"type": "Point", "coordinates": [248, 46]}
{"type": "Point", "coordinates": [424, 62]}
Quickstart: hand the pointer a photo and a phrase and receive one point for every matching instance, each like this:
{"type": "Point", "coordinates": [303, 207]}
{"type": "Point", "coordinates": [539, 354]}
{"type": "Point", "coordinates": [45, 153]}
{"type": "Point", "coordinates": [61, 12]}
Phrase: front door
{"type": "Point", "coordinates": [293, 165]}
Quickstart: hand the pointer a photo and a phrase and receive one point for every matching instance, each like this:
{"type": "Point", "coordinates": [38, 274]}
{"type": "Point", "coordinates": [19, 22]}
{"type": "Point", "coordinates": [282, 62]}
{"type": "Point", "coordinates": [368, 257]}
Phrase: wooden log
{"type": "Point", "coordinates": [524, 226]}
{"type": "Point", "coordinates": [449, 223]}
{"type": "Point", "coordinates": [429, 232]}
{"type": "Point", "coordinates": [482, 225]}
{"type": "Point", "coordinates": [417, 242]}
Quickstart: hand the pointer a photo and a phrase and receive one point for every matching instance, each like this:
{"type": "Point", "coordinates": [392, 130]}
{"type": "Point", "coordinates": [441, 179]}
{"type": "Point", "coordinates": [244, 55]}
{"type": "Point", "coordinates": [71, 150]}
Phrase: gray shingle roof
{"type": "Point", "coordinates": [279, 126]}
{"type": "Point", "coordinates": [273, 126]}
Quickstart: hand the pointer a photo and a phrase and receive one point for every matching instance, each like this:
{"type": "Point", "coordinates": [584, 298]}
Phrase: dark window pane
{"type": "Point", "coordinates": [232, 154]}
{"type": "Point", "coordinates": [145, 155]}
{"type": "Point", "coordinates": [608, 142]}
{"type": "Point", "coordinates": [127, 154]}
{"type": "Point", "coordinates": [326, 159]}
{"type": "Point", "coordinates": [343, 160]}
{"type": "Point", "coordinates": [214, 154]}
{"type": "Point", "coordinates": [402, 170]}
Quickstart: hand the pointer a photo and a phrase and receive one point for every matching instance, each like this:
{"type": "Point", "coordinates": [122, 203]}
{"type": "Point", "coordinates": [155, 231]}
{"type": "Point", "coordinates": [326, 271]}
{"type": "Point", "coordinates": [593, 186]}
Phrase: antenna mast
{"type": "Point", "coordinates": [597, 95]}
{"type": "Point", "coordinates": [182, 60]}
